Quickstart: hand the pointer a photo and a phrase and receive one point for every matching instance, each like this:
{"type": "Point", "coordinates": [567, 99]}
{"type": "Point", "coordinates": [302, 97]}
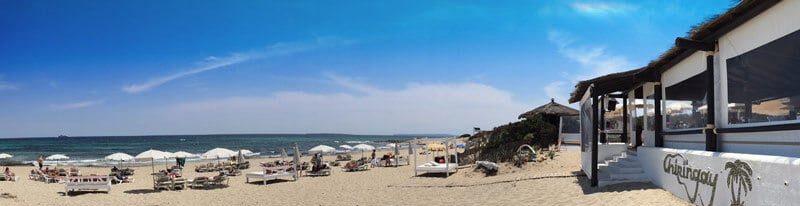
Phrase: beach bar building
{"type": "Point", "coordinates": [565, 118]}
{"type": "Point", "coordinates": [714, 120]}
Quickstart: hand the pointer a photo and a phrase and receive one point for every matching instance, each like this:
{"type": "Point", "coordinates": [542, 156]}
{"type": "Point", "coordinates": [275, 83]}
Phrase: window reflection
{"type": "Point", "coordinates": [763, 85]}
{"type": "Point", "coordinates": [685, 103]}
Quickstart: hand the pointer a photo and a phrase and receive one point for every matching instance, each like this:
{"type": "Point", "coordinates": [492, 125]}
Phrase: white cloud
{"type": "Point", "coordinates": [557, 91]}
{"type": "Point", "coordinates": [418, 108]}
{"type": "Point", "coordinates": [213, 62]}
{"type": "Point", "coordinates": [77, 105]}
{"type": "Point", "coordinates": [594, 58]}
{"type": "Point", "coordinates": [5, 86]}
{"type": "Point", "coordinates": [602, 8]}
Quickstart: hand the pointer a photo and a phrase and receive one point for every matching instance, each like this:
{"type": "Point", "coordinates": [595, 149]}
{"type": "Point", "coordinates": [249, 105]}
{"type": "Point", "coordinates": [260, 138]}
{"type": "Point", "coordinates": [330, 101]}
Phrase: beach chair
{"type": "Point", "coordinates": [199, 182]}
{"type": "Point", "coordinates": [74, 172]}
{"type": "Point", "coordinates": [219, 180]}
{"type": "Point", "coordinates": [433, 167]}
{"type": "Point", "coordinates": [178, 183]}
{"type": "Point", "coordinates": [162, 182]}
{"type": "Point", "coordinates": [320, 170]}
{"type": "Point", "coordinates": [62, 172]}
{"type": "Point", "coordinates": [4, 177]}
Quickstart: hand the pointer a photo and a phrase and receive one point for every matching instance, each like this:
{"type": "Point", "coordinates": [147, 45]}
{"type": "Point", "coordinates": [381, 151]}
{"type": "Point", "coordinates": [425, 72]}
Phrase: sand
{"type": "Point", "coordinates": [553, 182]}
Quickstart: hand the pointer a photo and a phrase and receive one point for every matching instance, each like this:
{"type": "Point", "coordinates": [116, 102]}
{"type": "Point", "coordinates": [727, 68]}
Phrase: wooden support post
{"type": "Point", "coordinates": [710, 130]}
{"type": "Point", "coordinates": [658, 123]}
{"type": "Point", "coordinates": [625, 119]}
{"type": "Point", "coordinates": [593, 179]}
{"type": "Point", "coordinates": [603, 120]}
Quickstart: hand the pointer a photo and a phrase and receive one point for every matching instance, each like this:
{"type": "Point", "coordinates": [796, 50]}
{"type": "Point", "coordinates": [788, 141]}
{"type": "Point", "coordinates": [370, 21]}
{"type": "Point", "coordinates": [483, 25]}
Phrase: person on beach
{"type": "Point", "coordinates": [40, 161]}
{"type": "Point", "coordinates": [373, 161]}
{"type": "Point", "coordinates": [8, 172]}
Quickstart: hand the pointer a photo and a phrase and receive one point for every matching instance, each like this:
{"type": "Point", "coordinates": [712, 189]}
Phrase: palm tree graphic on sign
{"type": "Point", "coordinates": [739, 177]}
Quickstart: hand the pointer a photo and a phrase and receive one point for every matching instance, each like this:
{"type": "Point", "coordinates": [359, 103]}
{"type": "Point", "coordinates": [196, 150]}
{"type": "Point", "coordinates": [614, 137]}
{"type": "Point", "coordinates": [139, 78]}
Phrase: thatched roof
{"type": "Point", "coordinates": [551, 108]}
{"type": "Point", "coordinates": [708, 31]}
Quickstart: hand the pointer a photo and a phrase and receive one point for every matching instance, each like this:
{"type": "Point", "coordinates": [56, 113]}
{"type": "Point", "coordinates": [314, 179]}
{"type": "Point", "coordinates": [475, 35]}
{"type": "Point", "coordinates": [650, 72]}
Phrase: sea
{"type": "Point", "coordinates": [92, 150]}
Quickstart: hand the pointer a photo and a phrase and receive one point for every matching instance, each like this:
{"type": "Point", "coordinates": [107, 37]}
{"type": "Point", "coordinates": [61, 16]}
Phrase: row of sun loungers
{"type": "Point", "coordinates": [210, 167]}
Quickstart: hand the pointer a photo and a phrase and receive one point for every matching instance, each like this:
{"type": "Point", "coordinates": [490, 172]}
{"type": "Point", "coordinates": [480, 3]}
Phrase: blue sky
{"type": "Point", "coordinates": [366, 67]}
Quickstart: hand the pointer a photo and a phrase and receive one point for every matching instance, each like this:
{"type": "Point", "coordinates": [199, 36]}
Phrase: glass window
{"type": "Point", "coordinates": [586, 125]}
{"type": "Point", "coordinates": [570, 124]}
{"type": "Point", "coordinates": [685, 103]}
{"type": "Point", "coordinates": [613, 119]}
{"type": "Point", "coordinates": [763, 85]}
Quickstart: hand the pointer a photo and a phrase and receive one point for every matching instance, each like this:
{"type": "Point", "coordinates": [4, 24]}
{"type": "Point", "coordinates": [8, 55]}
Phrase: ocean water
{"type": "Point", "coordinates": [90, 149]}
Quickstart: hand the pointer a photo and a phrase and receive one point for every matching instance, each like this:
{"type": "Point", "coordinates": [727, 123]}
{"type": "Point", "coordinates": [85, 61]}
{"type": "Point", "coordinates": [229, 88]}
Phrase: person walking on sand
{"type": "Point", "coordinates": [373, 162]}
{"type": "Point", "coordinates": [40, 161]}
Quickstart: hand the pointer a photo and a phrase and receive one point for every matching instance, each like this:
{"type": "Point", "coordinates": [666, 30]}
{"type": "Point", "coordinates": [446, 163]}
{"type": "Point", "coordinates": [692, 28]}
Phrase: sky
{"type": "Point", "coordinates": [360, 67]}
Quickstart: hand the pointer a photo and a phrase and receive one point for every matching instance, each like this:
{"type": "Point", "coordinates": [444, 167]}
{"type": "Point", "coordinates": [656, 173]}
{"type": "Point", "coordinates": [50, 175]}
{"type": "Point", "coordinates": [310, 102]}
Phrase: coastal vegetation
{"type": "Point", "coordinates": [501, 143]}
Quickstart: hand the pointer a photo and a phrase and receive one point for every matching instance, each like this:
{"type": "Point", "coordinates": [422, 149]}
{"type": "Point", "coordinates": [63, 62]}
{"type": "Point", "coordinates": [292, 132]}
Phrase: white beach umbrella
{"type": "Point", "coordinates": [183, 154]}
{"type": "Point", "coordinates": [346, 147]}
{"type": "Point", "coordinates": [57, 158]}
{"type": "Point", "coordinates": [296, 161]}
{"type": "Point", "coordinates": [218, 153]}
{"type": "Point", "coordinates": [6, 156]}
{"type": "Point", "coordinates": [154, 155]}
{"type": "Point", "coordinates": [246, 151]}
{"type": "Point", "coordinates": [391, 145]}
{"type": "Point", "coordinates": [119, 157]}
{"type": "Point", "coordinates": [283, 154]}
{"type": "Point", "coordinates": [362, 148]}
{"type": "Point", "coordinates": [322, 149]}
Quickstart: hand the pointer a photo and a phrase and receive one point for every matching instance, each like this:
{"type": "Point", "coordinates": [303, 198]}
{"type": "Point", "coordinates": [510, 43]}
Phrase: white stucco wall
{"type": "Point", "coordinates": [774, 179]}
{"type": "Point", "coordinates": [570, 138]}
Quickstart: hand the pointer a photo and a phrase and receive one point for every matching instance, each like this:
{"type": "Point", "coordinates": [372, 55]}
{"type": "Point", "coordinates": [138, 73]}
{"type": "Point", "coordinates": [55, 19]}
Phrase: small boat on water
{"type": "Point", "coordinates": [62, 136]}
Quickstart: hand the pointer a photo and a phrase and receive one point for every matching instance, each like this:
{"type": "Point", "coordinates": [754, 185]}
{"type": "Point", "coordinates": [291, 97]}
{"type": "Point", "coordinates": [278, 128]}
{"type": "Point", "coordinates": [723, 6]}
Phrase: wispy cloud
{"type": "Point", "coordinates": [6, 86]}
{"type": "Point", "coordinates": [77, 105]}
{"type": "Point", "coordinates": [557, 90]}
{"type": "Point", "coordinates": [602, 8]}
{"type": "Point", "coordinates": [593, 58]}
{"type": "Point", "coordinates": [361, 108]}
{"type": "Point", "coordinates": [213, 63]}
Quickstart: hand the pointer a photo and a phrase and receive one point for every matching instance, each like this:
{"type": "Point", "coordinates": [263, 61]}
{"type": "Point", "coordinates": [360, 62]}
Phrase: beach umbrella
{"type": "Point", "coordinates": [119, 157]}
{"type": "Point", "coordinates": [154, 155]}
{"type": "Point", "coordinates": [183, 154]}
{"type": "Point", "coordinates": [346, 147]}
{"type": "Point", "coordinates": [6, 156]}
{"type": "Point", "coordinates": [246, 151]}
{"type": "Point", "coordinates": [362, 148]}
{"type": "Point", "coordinates": [391, 145]}
{"type": "Point", "coordinates": [296, 160]}
{"type": "Point", "coordinates": [283, 154]}
{"type": "Point", "coordinates": [57, 158]}
{"type": "Point", "coordinates": [218, 153]}
{"type": "Point", "coordinates": [322, 149]}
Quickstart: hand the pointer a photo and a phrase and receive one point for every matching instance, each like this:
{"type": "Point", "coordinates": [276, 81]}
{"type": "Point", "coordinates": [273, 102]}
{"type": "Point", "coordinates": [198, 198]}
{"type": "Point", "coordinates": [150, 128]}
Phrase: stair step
{"type": "Point", "coordinates": [625, 170]}
{"type": "Point", "coordinates": [603, 183]}
{"type": "Point", "coordinates": [632, 176]}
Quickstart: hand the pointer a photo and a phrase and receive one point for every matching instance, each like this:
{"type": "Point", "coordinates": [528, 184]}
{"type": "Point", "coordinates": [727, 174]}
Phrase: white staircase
{"type": "Point", "coordinates": [621, 168]}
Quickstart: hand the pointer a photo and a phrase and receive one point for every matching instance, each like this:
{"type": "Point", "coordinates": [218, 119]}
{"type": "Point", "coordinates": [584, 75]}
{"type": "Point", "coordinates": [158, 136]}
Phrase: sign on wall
{"type": "Point", "coordinates": [713, 178]}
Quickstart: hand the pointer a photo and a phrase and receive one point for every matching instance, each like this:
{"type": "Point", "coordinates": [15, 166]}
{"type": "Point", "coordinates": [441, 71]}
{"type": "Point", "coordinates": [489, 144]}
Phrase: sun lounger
{"type": "Point", "coordinates": [3, 177]}
{"type": "Point", "coordinates": [178, 183]}
{"type": "Point", "coordinates": [433, 167]}
{"type": "Point", "coordinates": [80, 183]}
{"type": "Point", "coordinates": [271, 173]}
{"type": "Point", "coordinates": [162, 182]}
{"type": "Point", "coordinates": [358, 165]}
{"type": "Point", "coordinates": [219, 180]}
{"type": "Point", "coordinates": [198, 182]}
{"type": "Point", "coordinates": [74, 172]}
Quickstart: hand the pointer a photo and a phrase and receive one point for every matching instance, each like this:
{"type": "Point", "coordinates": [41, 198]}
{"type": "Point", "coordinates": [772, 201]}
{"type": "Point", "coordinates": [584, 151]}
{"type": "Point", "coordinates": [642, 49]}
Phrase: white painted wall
{"type": "Point", "coordinates": [608, 151]}
{"type": "Point", "coordinates": [570, 138]}
{"type": "Point", "coordinates": [775, 179]}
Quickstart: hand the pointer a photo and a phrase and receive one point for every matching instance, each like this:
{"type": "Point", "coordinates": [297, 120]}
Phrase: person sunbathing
{"type": "Point", "coordinates": [8, 173]}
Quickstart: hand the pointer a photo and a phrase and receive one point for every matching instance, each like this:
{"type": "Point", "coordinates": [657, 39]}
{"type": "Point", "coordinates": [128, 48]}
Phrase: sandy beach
{"type": "Point", "coordinates": [552, 182]}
